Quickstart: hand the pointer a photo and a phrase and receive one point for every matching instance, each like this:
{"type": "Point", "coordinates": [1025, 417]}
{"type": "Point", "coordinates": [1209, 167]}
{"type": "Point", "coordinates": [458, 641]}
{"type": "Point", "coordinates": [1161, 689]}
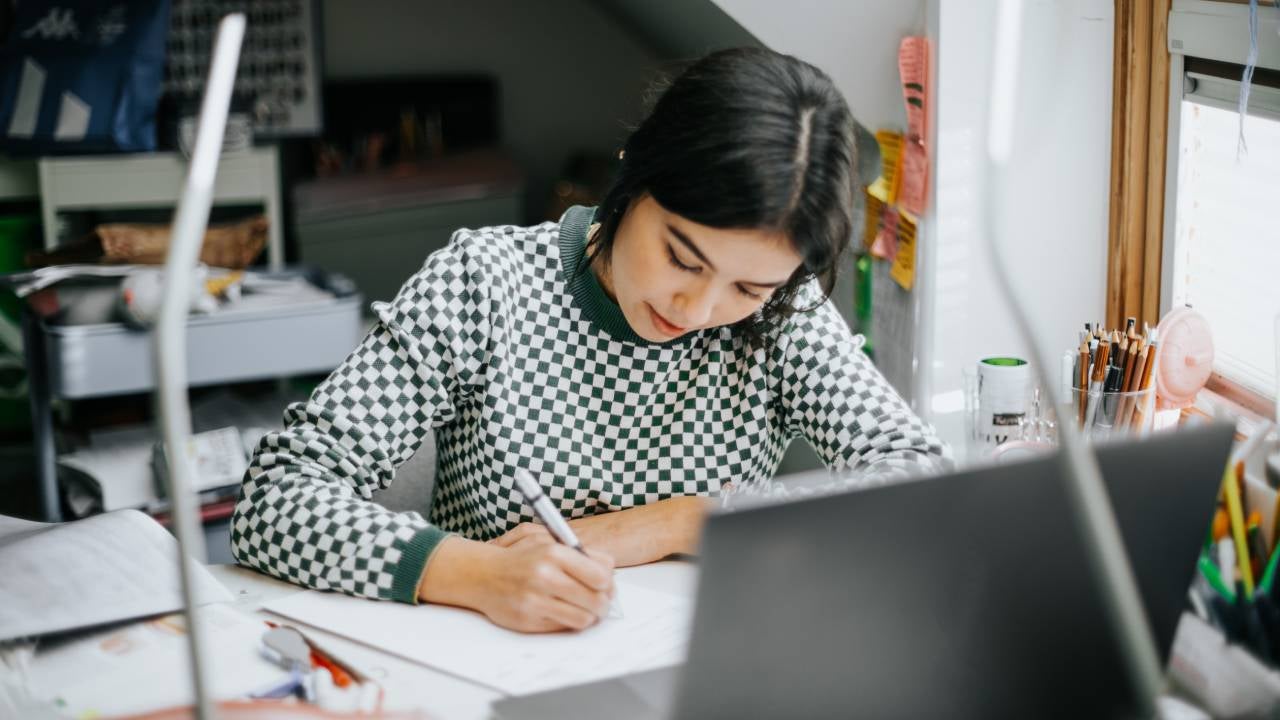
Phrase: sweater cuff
{"type": "Point", "coordinates": [413, 562]}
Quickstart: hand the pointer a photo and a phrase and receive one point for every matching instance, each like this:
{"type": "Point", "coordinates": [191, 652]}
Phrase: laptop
{"type": "Point", "coordinates": [961, 596]}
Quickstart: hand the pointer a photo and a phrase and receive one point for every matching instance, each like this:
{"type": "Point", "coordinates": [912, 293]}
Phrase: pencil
{"type": "Point", "coordinates": [1138, 364]}
{"type": "Point", "coordinates": [1126, 379]}
{"type": "Point", "coordinates": [1236, 515]}
{"type": "Point", "coordinates": [1148, 370]}
{"type": "Point", "coordinates": [1128, 365]}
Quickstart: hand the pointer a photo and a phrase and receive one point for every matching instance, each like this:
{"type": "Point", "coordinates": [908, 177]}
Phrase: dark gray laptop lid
{"type": "Point", "coordinates": [962, 596]}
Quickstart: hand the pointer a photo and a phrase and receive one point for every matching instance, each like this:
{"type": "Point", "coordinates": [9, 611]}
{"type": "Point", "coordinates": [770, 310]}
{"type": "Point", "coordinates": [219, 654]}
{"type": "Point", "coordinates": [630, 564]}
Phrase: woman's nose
{"type": "Point", "coordinates": [695, 305]}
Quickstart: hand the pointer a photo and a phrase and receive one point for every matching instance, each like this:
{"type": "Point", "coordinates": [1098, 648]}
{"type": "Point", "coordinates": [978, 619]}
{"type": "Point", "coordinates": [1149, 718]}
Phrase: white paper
{"type": "Point", "coordinates": [106, 568]}
{"type": "Point", "coordinates": [653, 633]}
{"type": "Point", "coordinates": [103, 674]}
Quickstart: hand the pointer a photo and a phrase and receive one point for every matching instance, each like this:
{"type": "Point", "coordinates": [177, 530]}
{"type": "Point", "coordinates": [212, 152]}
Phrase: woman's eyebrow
{"type": "Point", "coordinates": [684, 239]}
{"type": "Point", "coordinates": [692, 248]}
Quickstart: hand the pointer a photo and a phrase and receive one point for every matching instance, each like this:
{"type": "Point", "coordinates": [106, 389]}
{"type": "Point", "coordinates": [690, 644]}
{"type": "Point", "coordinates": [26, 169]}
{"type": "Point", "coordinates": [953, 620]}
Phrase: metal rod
{"type": "Point", "coordinates": [189, 222]}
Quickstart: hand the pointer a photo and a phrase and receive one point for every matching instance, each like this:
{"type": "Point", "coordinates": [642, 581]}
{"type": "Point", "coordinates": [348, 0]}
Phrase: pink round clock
{"type": "Point", "coordinates": [1184, 358]}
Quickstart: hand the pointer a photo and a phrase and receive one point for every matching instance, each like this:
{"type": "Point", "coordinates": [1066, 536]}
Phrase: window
{"type": "Point", "coordinates": [1226, 254]}
{"type": "Point", "coordinates": [1220, 235]}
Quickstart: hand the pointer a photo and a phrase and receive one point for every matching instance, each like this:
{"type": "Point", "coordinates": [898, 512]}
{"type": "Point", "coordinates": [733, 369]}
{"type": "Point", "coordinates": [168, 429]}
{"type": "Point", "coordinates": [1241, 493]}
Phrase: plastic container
{"type": "Point", "coordinates": [1111, 414]}
{"type": "Point", "coordinates": [230, 345]}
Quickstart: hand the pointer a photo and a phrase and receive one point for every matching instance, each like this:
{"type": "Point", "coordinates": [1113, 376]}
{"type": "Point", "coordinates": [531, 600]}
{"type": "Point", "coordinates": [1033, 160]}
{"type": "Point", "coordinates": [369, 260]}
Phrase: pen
{"type": "Point", "coordinates": [552, 519]}
{"type": "Point", "coordinates": [1214, 578]}
{"type": "Point", "coordinates": [1228, 617]}
{"type": "Point", "coordinates": [1256, 629]}
{"type": "Point", "coordinates": [1095, 384]}
{"type": "Point", "coordinates": [1270, 618]}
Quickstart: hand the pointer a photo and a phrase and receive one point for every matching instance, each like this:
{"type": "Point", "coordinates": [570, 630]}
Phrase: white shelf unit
{"type": "Point", "coordinates": [154, 180]}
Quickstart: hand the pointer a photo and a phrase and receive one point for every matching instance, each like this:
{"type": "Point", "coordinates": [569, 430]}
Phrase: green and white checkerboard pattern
{"type": "Point", "coordinates": [513, 359]}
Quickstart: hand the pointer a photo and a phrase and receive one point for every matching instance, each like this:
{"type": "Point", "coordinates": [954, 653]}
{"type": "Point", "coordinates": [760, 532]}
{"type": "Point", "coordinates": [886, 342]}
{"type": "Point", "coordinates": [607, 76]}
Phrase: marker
{"type": "Point", "coordinates": [1269, 575]}
{"type": "Point", "coordinates": [553, 520]}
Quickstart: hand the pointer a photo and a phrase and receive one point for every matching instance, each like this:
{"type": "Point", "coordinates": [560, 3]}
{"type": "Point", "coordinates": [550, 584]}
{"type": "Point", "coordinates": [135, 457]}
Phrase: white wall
{"type": "Point", "coordinates": [1056, 196]}
{"type": "Point", "coordinates": [1055, 203]}
{"type": "Point", "coordinates": [570, 76]}
{"type": "Point", "coordinates": [854, 41]}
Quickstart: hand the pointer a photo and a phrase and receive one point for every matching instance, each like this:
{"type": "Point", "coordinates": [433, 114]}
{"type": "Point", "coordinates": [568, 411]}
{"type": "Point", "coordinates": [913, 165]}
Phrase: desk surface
{"type": "Point", "coordinates": [412, 686]}
{"type": "Point", "coordinates": [409, 685]}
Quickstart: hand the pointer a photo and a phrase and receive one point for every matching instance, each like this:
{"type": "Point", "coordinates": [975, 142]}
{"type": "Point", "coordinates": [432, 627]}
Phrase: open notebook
{"type": "Point", "coordinates": [103, 569]}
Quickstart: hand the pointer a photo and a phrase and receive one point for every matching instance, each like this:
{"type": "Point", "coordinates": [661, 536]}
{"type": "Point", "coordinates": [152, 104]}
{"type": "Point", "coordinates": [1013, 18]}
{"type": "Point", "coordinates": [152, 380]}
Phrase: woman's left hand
{"type": "Point", "coordinates": [634, 536]}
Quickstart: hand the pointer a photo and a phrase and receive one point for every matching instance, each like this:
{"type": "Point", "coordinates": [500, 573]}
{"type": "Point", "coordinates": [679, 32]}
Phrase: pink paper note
{"type": "Point", "coordinates": [913, 69]}
{"type": "Point", "coordinates": [885, 246]}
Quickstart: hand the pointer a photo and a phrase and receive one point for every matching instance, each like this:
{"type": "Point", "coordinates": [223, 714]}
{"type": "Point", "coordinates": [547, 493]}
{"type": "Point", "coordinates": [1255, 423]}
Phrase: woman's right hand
{"type": "Point", "coordinates": [534, 587]}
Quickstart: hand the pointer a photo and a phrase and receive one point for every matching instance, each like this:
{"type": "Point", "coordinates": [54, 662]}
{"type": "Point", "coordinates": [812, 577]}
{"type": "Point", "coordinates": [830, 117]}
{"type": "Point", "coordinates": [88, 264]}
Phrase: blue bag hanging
{"type": "Point", "coordinates": [82, 76]}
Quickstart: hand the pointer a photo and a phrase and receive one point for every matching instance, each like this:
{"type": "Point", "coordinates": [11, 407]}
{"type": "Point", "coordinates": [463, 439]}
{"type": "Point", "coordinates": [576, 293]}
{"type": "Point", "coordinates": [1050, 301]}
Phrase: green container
{"type": "Point", "coordinates": [18, 234]}
{"type": "Point", "coordinates": [862, 302]}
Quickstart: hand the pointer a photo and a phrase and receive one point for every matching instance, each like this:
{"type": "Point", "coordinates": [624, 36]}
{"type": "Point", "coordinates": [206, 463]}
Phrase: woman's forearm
{"type": "Point", "coordinates": [646, 533]}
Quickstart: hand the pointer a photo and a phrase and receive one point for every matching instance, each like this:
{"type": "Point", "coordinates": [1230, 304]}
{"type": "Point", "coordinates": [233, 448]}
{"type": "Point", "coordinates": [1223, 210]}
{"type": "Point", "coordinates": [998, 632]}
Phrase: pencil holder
{"type": "Point", "coordinates": [1100, 415]}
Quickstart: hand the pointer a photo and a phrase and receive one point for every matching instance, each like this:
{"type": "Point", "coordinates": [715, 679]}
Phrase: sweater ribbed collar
{"type": "Point", "coordinates": [585, 286]}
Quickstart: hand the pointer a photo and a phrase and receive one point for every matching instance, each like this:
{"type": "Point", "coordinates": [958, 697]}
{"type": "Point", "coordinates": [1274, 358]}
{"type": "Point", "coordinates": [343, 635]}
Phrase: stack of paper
{"type": "Point", "coordinates": [104, 569]}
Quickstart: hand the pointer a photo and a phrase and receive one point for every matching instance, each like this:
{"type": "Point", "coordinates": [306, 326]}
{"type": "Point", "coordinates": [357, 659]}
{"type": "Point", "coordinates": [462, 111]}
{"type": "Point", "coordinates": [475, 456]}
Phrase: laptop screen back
{"type": "Point", "coordinates": [967, 595]}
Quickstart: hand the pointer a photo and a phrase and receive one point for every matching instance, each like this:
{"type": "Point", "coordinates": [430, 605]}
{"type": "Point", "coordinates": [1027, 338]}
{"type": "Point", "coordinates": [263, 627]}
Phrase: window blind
{"type": "Point", "coordinates": [1227, 234]}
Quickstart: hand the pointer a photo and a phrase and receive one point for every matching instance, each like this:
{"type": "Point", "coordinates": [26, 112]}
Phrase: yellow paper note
{"type": "Point", "coordinates": [885, 188]}
{"type": "Point", "coordinates": [903, 271]}
{"type": "Point", "coordinates": [871, 223]}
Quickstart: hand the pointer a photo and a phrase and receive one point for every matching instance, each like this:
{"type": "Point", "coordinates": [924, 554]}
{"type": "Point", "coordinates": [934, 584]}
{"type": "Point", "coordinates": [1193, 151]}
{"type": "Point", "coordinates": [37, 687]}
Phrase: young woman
{"type": "Point", "coordinates": [636, 358]}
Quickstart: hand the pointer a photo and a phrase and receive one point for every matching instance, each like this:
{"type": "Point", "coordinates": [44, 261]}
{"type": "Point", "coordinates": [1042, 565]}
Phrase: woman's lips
{"type": "Point", "coordinates": [663, 325]}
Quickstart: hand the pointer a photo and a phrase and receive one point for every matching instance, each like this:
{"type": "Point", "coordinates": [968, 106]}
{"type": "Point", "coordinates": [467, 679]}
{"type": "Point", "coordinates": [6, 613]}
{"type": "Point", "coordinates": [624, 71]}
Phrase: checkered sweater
{"type": "Point", "coordinates": [512, 358]}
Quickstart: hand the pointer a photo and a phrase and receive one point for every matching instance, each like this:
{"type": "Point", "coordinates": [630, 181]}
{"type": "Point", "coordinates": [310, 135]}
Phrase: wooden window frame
{"type": "Point", "coordinates": [1139, 140]}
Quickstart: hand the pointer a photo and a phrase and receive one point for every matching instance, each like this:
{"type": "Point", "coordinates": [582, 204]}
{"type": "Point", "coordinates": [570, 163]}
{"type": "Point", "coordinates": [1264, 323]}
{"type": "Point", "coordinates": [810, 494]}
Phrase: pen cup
{"type": "Point", "coordinates": [1101, 415]}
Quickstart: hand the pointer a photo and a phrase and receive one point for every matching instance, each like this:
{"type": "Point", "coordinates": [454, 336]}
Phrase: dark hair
{"type": "Point", "coordinates": [747, 138]}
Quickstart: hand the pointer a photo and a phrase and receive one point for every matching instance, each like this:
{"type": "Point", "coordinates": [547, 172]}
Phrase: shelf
{"type": "Point", "coordinates": [86, 361]}
{"type": "Point", "coordinates": [104, 359]}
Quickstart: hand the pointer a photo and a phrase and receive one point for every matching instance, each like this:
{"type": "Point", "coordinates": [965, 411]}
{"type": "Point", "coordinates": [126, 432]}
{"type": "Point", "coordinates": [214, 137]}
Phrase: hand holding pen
{"type": "Point", "coordinates": [527, 587]}
{"type": "Point", "coordinates": [552, 519]}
